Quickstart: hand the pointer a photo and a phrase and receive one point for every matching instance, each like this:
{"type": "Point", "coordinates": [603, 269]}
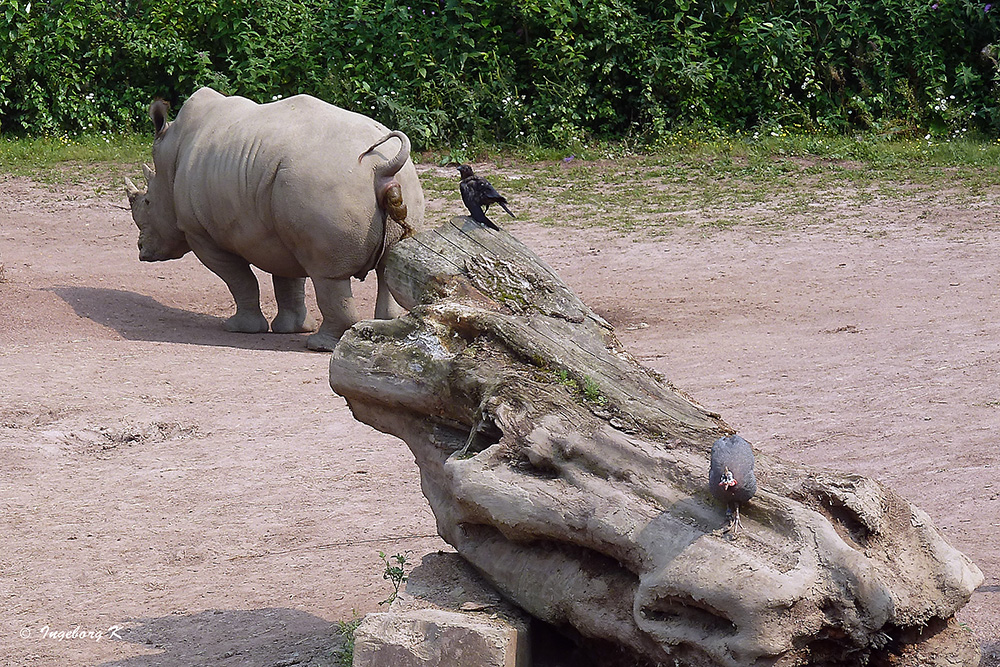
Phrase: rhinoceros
{"type": "Point", "coordinates": [298, 188]}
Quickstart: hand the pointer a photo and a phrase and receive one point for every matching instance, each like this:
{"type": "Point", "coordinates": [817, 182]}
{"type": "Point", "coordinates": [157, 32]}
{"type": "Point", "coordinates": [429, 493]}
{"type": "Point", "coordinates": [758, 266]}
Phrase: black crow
{"type": "Point", "coordinates": [478, 194]}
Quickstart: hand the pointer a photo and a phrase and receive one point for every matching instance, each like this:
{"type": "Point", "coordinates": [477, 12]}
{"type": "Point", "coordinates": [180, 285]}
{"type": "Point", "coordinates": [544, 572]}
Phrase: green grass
{"type": "Point", "coordinates": [877, 150]}
{"type": "Point", "coordinates": [721, 182]}
{"type": "Point", "coordinates": [692, 180]}
{"type": "Point", "coordinates": [71, 159]}
{"type": "Point", "coordinates": [765, 156]}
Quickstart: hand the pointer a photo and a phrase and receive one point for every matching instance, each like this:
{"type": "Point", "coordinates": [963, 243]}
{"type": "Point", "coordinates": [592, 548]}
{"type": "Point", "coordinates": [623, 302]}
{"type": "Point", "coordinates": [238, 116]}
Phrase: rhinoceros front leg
{"type": "Point", "coordinates": [235, 272]}
{"type": "Point", "coordinates": [293, 316]}
{"type": "Point", "coordinates": [336, 302]}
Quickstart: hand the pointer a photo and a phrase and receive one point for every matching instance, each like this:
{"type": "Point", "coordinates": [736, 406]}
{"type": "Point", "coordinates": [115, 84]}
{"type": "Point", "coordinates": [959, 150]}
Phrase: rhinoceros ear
{"type": "Point", "coordinates": [158, 113]}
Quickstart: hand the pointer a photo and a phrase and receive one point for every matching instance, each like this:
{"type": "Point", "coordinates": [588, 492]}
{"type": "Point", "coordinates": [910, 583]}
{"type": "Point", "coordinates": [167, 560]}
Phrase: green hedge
{"type": "Point", "coordinates": [542, 71]}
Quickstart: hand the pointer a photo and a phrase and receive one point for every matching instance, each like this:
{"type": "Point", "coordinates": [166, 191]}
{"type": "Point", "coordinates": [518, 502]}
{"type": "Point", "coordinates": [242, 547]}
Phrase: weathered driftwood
{"type": "Point", "coordinates": [583, 494]}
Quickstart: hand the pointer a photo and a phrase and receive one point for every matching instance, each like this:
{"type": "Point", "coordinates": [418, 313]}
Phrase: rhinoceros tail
{"type": "Point", "coordinates": [388, 194]}
{"type": "Point", "coordinates": [390, 168]}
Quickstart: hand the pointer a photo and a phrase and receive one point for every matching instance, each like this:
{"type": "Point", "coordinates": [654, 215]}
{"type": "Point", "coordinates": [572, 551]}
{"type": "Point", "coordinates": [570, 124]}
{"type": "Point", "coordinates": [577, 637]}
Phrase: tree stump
{"type": "Point", "coordinates": [576, 481]}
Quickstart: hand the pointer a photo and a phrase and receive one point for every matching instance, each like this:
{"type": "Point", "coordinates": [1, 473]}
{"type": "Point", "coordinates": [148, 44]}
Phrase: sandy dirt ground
{"type": "Point", "coordinates": [173, 494]}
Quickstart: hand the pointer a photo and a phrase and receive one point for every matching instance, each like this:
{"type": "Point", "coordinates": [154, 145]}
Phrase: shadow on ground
{"type": "Point", "coordinates": [991, 654]}
{"type": "Point", "coordinates": [138, 317]}
{"type": "Point", "coordinates": [256, 638]}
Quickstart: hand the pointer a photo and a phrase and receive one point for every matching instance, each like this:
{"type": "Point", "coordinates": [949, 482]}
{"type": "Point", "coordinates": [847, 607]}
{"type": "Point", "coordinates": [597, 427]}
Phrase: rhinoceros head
{"type": "Point", "coordinates": [153, 208]}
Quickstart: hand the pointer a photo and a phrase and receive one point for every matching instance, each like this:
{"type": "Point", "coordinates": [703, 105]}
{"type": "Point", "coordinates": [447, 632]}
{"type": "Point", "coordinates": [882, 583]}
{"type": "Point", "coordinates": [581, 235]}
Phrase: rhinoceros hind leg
{"type": "Point", "coordinates": [386, 307]}
{"type": "Point", "coordinates": [336, 302]}
{"type": "Point", "coordinates": [293, 316]}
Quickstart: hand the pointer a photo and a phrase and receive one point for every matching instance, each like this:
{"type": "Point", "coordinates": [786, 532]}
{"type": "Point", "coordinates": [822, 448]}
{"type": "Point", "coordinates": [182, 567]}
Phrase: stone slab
{"type": "Point", "coordinates": [436, 638]}
{"type": "Point", "coordinates": [446, 616]}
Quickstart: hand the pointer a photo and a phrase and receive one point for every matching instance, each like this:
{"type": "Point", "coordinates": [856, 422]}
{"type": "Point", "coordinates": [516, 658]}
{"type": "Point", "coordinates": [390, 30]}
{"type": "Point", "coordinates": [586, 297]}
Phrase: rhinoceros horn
{"type": "Point", "coordinates": [148, 171]}
{"type": "Point", "coordinates": [131, 191]}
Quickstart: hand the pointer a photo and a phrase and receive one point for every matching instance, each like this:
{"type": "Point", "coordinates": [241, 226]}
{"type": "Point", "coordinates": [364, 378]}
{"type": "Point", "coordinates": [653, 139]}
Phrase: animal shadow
{"type": "Point", "coordinates": [252, 638]}
{"type": "Point", "coordinates": [139, 317]}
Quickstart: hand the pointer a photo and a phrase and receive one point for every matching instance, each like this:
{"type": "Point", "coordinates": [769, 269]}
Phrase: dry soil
{"type": "Point", "coordinates": [173, 494]}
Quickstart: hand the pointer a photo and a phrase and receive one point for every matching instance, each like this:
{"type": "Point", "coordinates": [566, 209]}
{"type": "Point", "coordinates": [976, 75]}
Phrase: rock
{"type": "Point", "coordinates": [573, 479]}
{"type": "Point", "coordinates": [445, 581]}
{"type": "Point", "coordinates": [436, 638]}
{"type": "Point", "coordinates": [446, 615]}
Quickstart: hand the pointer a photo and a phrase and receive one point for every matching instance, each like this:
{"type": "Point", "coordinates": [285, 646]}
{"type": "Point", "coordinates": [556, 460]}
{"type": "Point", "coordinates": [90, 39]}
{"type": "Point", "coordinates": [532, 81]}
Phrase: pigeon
{"type": "Point", "coordinates": [478, 194]}
{"type": "Point", "coordinates": [730, 476]}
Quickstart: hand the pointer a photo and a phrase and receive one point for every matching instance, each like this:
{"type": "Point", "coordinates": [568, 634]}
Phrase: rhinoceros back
{"type": "Point", "coordinates": [279, 183]}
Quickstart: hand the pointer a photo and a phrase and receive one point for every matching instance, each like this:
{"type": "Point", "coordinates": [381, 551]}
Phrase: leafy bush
{"type": "Point", "coordinates": [436, 69]}
{"type": "Point", "coordinates": [94, 65]}
{"type": "Point", "coordinates": [547, 72]}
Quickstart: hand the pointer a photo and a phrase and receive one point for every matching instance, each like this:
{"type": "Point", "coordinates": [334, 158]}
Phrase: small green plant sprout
{"type": "Point", "coordinates": [345, 653]}
{"type": "Point", "coordinates": [592, 391]}
{"type": "Point", "coordinates": [395, 573]}
{"type": "Point", "coordinates": [565, 379]}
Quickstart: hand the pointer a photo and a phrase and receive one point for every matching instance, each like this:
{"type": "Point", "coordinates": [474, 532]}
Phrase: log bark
{"type": "Point", "coordinates": [575, 480]}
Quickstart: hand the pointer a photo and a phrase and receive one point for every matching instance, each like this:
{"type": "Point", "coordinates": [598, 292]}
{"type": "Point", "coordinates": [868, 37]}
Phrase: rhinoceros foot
{"type": "Point", "coordinates": [246, 323]}
{"type": "Point", "coordinates": [322, 341]}
{"type": "Point", "coordinates": [293, 322]}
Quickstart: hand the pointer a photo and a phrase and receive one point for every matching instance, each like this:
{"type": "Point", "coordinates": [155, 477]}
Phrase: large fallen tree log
{"type": "Point", "coordinates": [576, 481]}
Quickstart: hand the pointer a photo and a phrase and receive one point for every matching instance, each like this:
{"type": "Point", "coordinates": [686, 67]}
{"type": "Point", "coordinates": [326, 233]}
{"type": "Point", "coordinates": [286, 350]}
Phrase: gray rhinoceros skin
{"type": "Point", "coordinates": [280, 186]}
